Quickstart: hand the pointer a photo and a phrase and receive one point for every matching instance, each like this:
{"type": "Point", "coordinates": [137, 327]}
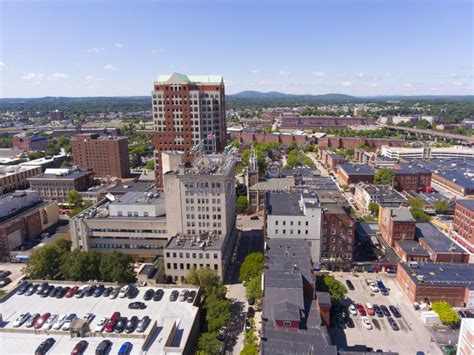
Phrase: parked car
{"type": "Point", "coordinates": [373, 287]}
{"type": "Point", "coordinates": [370, 309]}
{"type": "Point", "coordinates": [393, 324]}
{"type": "Point", "coordinates": [90, 290]}
{"type": "Point", "coordinates": [191, 296]}
{"type": "Point", "coordinates": [24, 286]}
{"type": "Point", "coordinates": [67, 324]}
{"type": "Point", "coordinates": [382, 288]}
{"type": "Point", "coordinates": [43, 348]}
{"type": "Point", "coordinates": [88, 317]}
{"type": "Point", "coordinates": [5, 281]}
{"type": "Point", "coordinates": [101, 324]}
{"type": "Point", "coordinates": [124, 291]}
{"type": "Point", "coordinates": [62, 292]}
{"type": "Point", "coordinates": [98, 291]}
{"type": "Point", "coordinates": [377, 310]}
{"type": "Point", "coordinates": [31, 290]}
{"type": "Point", "coordinates": [353, 310]}
{"type": "Point", "coordinates": [120, 325]}
{"type": "Point", "coordinates": [47, 291]}
{"type": "Point", "coordinates": [254, 218]}
{"type": "Point", "coordinates": [182, 295]}
{"type": "Point", "coordinates": [174, 295]}
{"type": "Point", "coordinates": [361, 309]}
{"type": "Point", "coordinates": [57, 290]}
{"type": "Point", "coordinates": [41, 320]}
{"type": "Point", "coordinates": [251, 301]}
{"type": "Point", "coordinates": [107, 291]}
{"type": "Point", "coordinates": [149, 294]}
{"type": "Point", "coordinates": [32, 320]}
{"type": "Point", "coordinates": [247, 326]}
{"type": "Point", "coordinates": [41, 287]}
{"type": "Point", "coordinates": [143, 324]}
{"type": "Point", "coordinates": [158, 295]}
{"type": "Point", "coordinates": [250, 312]}
{"type": "Point", "coordinates": [131, 324]}
{"type": "Point", "coordinates": [71, 292]}
{"type": "Point", "coordinates": [80, 348]}
{"type": "Point", "coordinates": [59, 321]}
{"type": "Point", "coordinates": [367, 323]}
{"type": "Point", "coordinates": [81, 292]}
{"type": "Point", "coordinates": [133, 292]}
{"type": "Point", "coordinates": [137, 305]}
{"type": "Point", "coordinates": [4, 274]}
{"type": "Point", "coordinates": [109, 327]}
{"type": "Point", "coordinates": [125, 348]}
{"type": "Point", "coordinates": [103, 347]}
{"type": "Point", "coordinates": [115, 293]}
{"type": "Point", "coordinates": [349, 322]}
{"type": "Point", "coordinates": [394, 311]}
{"type": "Point", "coordinates": [385, 310]}
{"type": "Point", "coordinates": [50, 322]}
{"type": "Point", "coordinates": [22, 318]}
{"type": "Point", "coordinates": [350, 285]}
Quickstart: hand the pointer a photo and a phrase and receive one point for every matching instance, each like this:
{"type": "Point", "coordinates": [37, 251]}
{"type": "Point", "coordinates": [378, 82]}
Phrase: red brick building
{"type": "Point", "coordinates": [188, 111]}
{"type": "Point", "coordinates": [411, 178]}
{"type": "Point", "coordinates": [355, 142]}
{"type": "Point", "coordinates": [463, 225]}
{"type": "Point", "coordinates": [29, 143]}
{"type": "Point", "coordinates": [396, 224]}
{"type": "Point", "coordinates": [104, 155]}
{"type": "Point", "coordinates": [348, 174]}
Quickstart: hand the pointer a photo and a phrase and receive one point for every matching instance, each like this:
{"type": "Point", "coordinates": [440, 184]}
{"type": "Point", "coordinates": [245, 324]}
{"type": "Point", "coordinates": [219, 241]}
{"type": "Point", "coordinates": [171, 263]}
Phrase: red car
{"type": "Point", "coordinates": [41, 320]}
{"type": "Point", "coordinates": [109, 327]}
{"type": "Point", "coordinates": [71, 292]}
{"type": "Point", "coordinates": [361, 310]}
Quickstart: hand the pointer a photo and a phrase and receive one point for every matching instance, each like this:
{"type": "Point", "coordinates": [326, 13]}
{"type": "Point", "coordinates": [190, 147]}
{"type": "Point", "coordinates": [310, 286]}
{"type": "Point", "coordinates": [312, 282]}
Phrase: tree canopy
{"type": "Point", "coordinates": [241, 203]}
{"type": "Point", "coordinates": [374, 208]}
{"type": "Point", "coordinates": [441, 206]}
{"type": "Point", "coordinates": [252, 266]}
{"type": "Point", "coordinates": [384, 176]}
{"type": "Point", "coordinates": [445, 312]}
{"type": "Point", "coordinates": [335, 288]}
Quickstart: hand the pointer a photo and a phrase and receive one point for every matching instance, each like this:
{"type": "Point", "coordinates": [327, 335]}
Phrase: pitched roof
{"type": "Point", "coordinates": [286, 311]}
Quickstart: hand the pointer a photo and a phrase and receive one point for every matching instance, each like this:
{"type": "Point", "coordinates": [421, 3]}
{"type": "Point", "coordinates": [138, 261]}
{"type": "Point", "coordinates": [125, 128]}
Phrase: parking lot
{"type": "Point", "coordinates": [413, 336]}
{"type": "Point", "coordinates": [174, 322]}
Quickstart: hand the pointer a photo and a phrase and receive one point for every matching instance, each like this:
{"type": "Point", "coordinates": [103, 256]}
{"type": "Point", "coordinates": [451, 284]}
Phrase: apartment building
{"type": "Point", "coordinates": [55, 184]}
{"type": "Point", "coordinates": [104, 155]}
{"type": "Point", "coordinates": [348, 174]}
{"type": "Point", "coordinates": [383, 195]}
{"type": "Point", "coordinates": [15, 177]}
{"type": "Point", "coordinates": [396, 224]}
{"type": "Point", "coordinates": [29, 143]}
{"type": "Point", "coordinates": [409, 177]}
{"type": "Point", "coordinates": [295, 216]}
{"type": "Point", "coordinates": [188, 111]}
{"type": "Point", "coordinates": [463, 225]}
{"type": "Point", "coordinates": [23, 216]}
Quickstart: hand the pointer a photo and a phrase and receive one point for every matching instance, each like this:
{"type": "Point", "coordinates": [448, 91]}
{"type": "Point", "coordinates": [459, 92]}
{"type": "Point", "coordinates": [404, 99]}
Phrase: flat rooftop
{"type": "Point", "coordinates": [188, 243]}
{"type": "Point", "coordinates": [441, 274]}
{"type": "Point", "coordinates": [401, 214]}
{"type": "Point", "coordinates": [436, 240]}
{"type": "Point", "coordinates": [358, 169]}
{"type": "Point", "coordinates": [412, 248]}
{"type": "Point", "coordinates": [140, 198]}
{"type": "Point", "coordinates": [165, 313]}
{"type": "Point", "coordinates": [284, 204]}
{"type": "Point", "coordinates": [123, 188]}
{"type": "Point", "coordinates": [67, 176]}
{"type": "Point", "coordinates": [467, 203]}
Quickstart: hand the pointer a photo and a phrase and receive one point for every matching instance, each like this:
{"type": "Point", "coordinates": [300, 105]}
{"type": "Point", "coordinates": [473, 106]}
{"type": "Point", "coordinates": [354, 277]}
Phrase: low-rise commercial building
{"type": "Point", "coordinates": [411, 250]}
{"type": "Point", "coordinates": [23, 216]}
{"type": "Point", "coordinates": [29, 143]}
{"type": "Point", "coordinates": [383, 195]}
{"type": "Point", "coordinates": [55, 184]}
{"type": "Point", "coordinates": [430, 282]}
{"type": "Point", "coordinates": [463, 224]}
{"type": "Point", "coordinates": [15, 177]}
{"type": "Point", "coordinates": [396, 224]}
{"type": "Point", "coordinates": [348, 174]}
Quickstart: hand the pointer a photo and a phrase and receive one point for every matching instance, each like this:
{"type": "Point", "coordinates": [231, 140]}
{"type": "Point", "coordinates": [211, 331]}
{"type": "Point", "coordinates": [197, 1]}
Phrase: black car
{"type": "Point", "coordinates": [41, 287]}
{"type": "Point", "coordinates": [250, 312]}
{"type": "Point", "coordinates": [349, 322]}
{"type": "Point", "coordinates": [174, 295]}
{"type": "Point", "coordinates": [350, 285]}
{"type": "Point", "coordinates": [56, 292]}
{"type": "Point", "coordinates": [158, 295]}
{"type": "Point", "coordinates": [394, 311]}
{"type": "Point", "coordinates": [103, 347]}
{"type": "Point", "coordinates": [392, 323]}
{"type": "Point", "coordinates": [377, 310]}
{"type": "Point", "coordinates": [133, 292]}
{"type": "Point", "coordinates": [45, 346]}
{"type": "Point", "coordinates": [5, 281]}
{"type": "Point", "coordinates": [63, 292]}
{"type": "Point", "coordinates": [90, 290]}
{"type": "Point", "coordinates": [190, 297]}
{"type": "Point", "coordinates": [251, 301]}
{"type": "Point", "coordinates": [131, 324]}
{"type": "Point", "coordinates": [137, 305]}
{"type": "Point", "coordinates": [107, 291]}
{"type": "Point", "coordinates": [23, 287]}
{"type": "Point", "coordinates": [143, 324]}
{"type": "Point", "coordinates": [148, 294]}
{"type": "Point", "coordinates": [31, 290]}
{"type": "Point", "coordinates": [385, 310]}
{"type": "Point", "coordinates": [120, 325]}
{"type": "Point", "coordinates": [47, 291]}
{"type": "Point", "coordinates": [98, 291]}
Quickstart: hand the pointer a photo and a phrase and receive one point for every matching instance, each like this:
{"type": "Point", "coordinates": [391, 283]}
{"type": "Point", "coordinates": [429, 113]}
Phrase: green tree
{"type": "Point", "coordinates": [45, 262]}
{"type": "Point", "coordinates": [252, 266]}
{"type": "Point", "coordinates": [374, 208]}
{"type": "Point", "coordinates": [423, 124]}
{"type": "Point", "coordinates": [441, 206]}
{"type": "Point", "coordinates": [335, 288]}
{"type": "Point", "coordinates": [117, 267]}
{"type": "Point", "coordinates": [74, 199]}
{"type": "Point", "coordinates": [417, 210]}
{"type": "Point", "coordinates": [81, 265]}
{"type": "Point", "coordinates": [250, 343]}
{"type": "Point", "coordinates": [254, 288]}
{"type": "Point", "coordinates": [384, 176]}
{"type": "Point", "coordinates": [217, 311]}
{"type": "Point", "coordinates": [150, 164]}
{"type": "Point", "coordinates": [209, 344]}
{"type": "Point", "coordinates": [445, 312]}
{"type": "Point", "coordinates": [35, 155]}
{"type": "Point", "coordinates": [241, 203]}
{"type": "Point", "coordinates": [207, 280]}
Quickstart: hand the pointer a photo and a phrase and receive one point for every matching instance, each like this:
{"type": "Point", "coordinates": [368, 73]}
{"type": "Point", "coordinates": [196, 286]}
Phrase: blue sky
{"type": "Point", "coordinates": [358, 47]}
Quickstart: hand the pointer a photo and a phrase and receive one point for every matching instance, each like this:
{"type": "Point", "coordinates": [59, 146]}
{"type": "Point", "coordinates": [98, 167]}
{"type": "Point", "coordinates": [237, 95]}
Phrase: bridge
{"type": "Point", "coordinates": [431, 133]}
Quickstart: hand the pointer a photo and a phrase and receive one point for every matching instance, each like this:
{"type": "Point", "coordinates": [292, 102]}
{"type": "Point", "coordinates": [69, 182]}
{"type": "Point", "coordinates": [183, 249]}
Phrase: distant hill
{"type": "Point", "coordinates": [278, 95]}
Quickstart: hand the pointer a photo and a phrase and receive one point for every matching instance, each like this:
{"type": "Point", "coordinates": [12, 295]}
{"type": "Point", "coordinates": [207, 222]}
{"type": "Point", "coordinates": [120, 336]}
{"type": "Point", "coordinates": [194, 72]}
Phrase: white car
{"type": "Point", "coordinates": [89, 317]}
{"type": "Point", "coordinates": [373, 287]}
{"type": "Point", "coordinates": [22, 318]}
{"type": "Point", "coordinates": [353, 310]}
{"type": "Point", "coordinates": [67, 324]}
{"type": "Point", "coordinates": [49, 322]}
{"type": "Point", "coordinates": [101, 324]}
{"type": "Point", "coordinates": [59, 321]}
{"type": "Point", "coordinates": [367, 323]}
{"type": "Point", "coordinates": [124, 291]}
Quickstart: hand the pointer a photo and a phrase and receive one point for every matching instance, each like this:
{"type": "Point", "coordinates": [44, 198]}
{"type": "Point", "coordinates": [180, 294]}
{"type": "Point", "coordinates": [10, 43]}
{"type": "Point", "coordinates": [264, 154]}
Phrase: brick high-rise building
{"type": "Point", "coordinates": [188, 111]}
{"type": "Point", "coordinates": [104, 155]}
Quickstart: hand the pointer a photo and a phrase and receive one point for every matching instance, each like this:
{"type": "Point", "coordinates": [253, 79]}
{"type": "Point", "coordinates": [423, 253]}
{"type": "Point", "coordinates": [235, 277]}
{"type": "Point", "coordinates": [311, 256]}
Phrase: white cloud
{"type": "Point", "coordinates": [388, 74]}
{"type": "Point", "coordinates": [255, 71]}
{"type": "Point", "coordinates": [408, 85]}
{"type": "Point", "coordinates": [346, 84]}
{"type": "Point", "coordinates": [318, 73]}
{"type": "Point", "coordinates": [284, 72]}
{"type": "Point", "coordinates": [90, 79]}
{"type": "Point", "coordinates": [265, 82]}
{"type": "Point", "coordinates": [95, 50]}
{"type": "Point", "coordinates": [160, 50]}
{"type": "Point", "coordinates": [458, 83]}
{"type": "Point", "coordinates": [360, 75]}
{"type": "Point", "coordinates": [373, 85]}
{"type": "Point", "coordinates": [33, 76]}
{"type": "Point", "coordinates": [58, 76]}
{"type": "Point", "coordinates": [119, 45]}
{"type": "Point", "coordinates": [110, 67]}
{"type": "Point", "coordinates": [2, 64]}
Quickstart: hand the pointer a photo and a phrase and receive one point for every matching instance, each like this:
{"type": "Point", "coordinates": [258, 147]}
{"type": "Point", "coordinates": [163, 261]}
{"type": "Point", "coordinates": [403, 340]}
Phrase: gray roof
{"type": "Point", "coordinates": [358, 169]}
{"type": "Point", "coordinates": [141, 198]}
{"type": "Point", "coordinates": [274, 184]}
{"type": "Point", "coordinates": [71, 176]}
{"type": "Point", "coordinates": [412, 248]}
{"type": "Point", "coordinates": [130, 186]}
{"type": "Point", "coordinates": [435, 239]}
{"type": "Point", "coordinates": [401, 214]}
{"type": "Point", "coordinates": [467, 203]}
{"type": "Point", "coordinates": [366, 229]}
{"type": "Point", "coordinates": [283, 204]}
{"type": "Point", "coordinates": [287, 311]}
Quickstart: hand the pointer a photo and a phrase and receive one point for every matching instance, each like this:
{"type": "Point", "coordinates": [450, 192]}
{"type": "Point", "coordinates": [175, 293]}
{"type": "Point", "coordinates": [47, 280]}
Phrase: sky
{"type": "Point", "coordinates": [355, 47]}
